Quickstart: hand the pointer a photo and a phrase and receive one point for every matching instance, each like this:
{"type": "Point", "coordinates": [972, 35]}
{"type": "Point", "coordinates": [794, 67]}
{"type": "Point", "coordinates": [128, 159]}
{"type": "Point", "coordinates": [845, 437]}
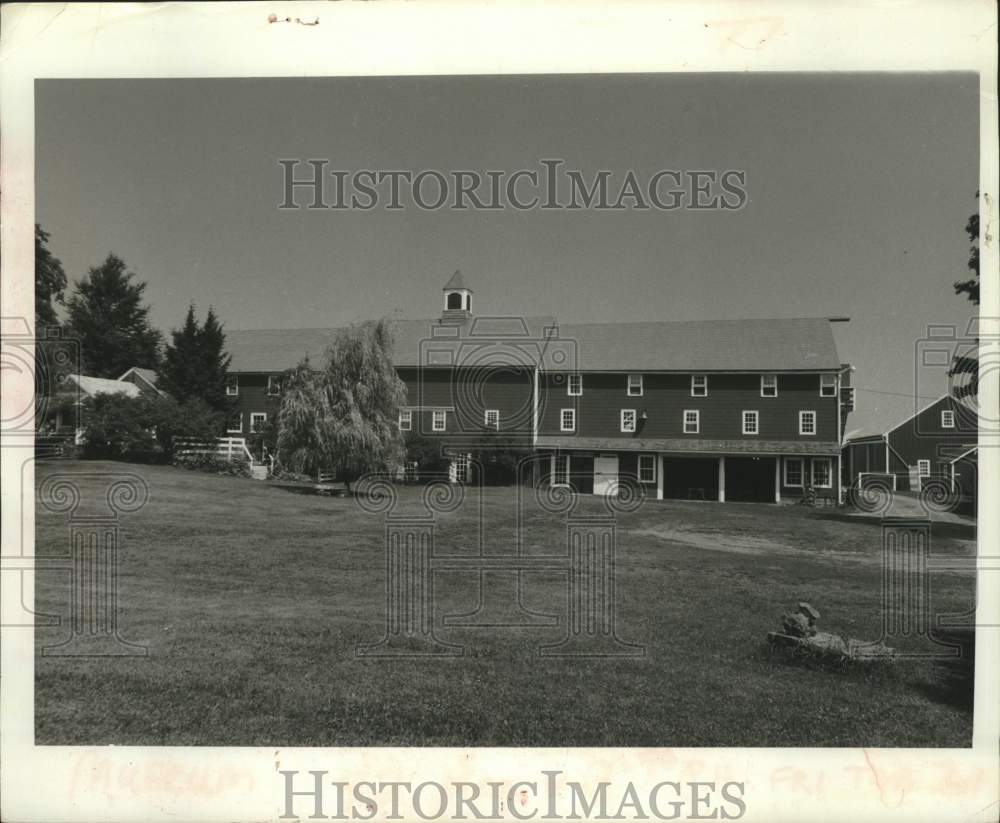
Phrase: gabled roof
{"type": "Point", "coordinates": [146, 375]}
{"type": "Point", "coordinates": [947, 399]}
{"type": "Point", "coordinates": [456, 282]}
{"type": "Point", "coordinates": [91, 386]}
{"type": "Point", "coordinates": [483, 341]}
{"type": "Point", "coordinates": [787, 344]}
{"type": "Point", "coordinates": [801, 344]}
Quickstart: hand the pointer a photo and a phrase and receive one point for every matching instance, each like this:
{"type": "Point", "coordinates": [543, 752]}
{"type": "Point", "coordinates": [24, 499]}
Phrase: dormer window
{"type": "Point", "coordinates": [455, 300]}
{"type": "Point", "coordinates": [947, 419]}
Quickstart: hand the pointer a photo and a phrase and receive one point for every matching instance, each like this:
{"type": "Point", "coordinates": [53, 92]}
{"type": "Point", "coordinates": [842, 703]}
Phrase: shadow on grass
{"type": "Point", "coordinates": [946, 530]}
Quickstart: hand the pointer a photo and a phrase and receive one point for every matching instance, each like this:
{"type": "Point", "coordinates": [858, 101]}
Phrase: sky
{"type": "Point", "coordinates": [859, 187]}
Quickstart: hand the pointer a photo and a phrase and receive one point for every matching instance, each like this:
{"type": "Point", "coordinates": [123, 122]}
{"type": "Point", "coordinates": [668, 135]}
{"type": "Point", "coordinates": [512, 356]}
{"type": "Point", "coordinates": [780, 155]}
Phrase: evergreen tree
{"type": "Point", "coordinates": [108, 318]}
{"type": "Point", "coordinates": [215, 363]}
{"type": "Point", "coordinates": [195, 362]}
{"type": "Point", "coordinates": [180, 368]}
{"type": "Point", "coordinates": [50, 282]}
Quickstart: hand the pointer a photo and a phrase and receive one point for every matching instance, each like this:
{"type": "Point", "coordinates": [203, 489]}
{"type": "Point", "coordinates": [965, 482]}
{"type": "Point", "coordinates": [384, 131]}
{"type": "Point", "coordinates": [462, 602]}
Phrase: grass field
{"type": "Point", "coordinates": [251, 601]}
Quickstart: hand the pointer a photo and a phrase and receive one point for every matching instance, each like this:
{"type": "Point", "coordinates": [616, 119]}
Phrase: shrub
{"type": "Point", "coordinates": [426, 453]}
{"type": "Point", "coordinates": [213, 464]}
{"type": "Point", "coordinates": [145, 428]}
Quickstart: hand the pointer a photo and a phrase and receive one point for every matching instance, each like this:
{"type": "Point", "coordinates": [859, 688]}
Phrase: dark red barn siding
{"type": "Point", "coordinates": [666, 396]}
{"type": "Point", "coordinates": [253, 397]}
{"type": "Point", "coordinates": [924, 438]}
{"type": "Point", "coordinates": [466, 394]}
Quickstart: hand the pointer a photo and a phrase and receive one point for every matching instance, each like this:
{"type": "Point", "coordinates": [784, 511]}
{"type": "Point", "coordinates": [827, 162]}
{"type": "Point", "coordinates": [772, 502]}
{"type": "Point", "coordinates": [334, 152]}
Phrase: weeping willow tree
{"type": "Point", "coordinates": [344, 417]}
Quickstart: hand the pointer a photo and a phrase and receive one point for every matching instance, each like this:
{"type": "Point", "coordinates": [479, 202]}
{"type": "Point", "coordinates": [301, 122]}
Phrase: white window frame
{"type": "Point", "coordinates": [494, 413]}
{"type": "Point", "coordinates": [578, 378]}
{"type": "Point", "coordinates": [229, 422]}
{"type": "Point", "coordinates": [651, 468]}
{"type": "Point", "coordinates": [802, 420]}
{"type": "Point", "coordinates": [923, 468]}
{"type": "Point", "coordinates": [562, 420]}
{"type": "Point", "coordinates": [802, 472]}
{"type": "Point", "coordinates": [634, 381]}
{"type": "Point", "coordinates": [273, 385]}
{"type": "Point", "coordinates": [233, 386]}
{"type": "Point", "coordinates": [823, 385]}
{"type": "Point", "coordinates": [257, 415]}
{"type": "Point", "coordinates": [565, 471]}
{"type": "Point", "coordinates": [947, 419]}
{"type": "Point", "coordinates": [406, 417]}
{"type": "Point", "coordinates": [829, 472]}
{"type": "Point", "coordinates": [699, 389]}
{"type": "Point", "coordinates": [697, 421]}
{"type": "Point", "coordinates": [755, 418]}
{"type": "Point", "coordinates": [442, 416]}
{"type": "Point", "coordinates": [621, 420]}
{"type": "Point", "coordinates": [768, 381]}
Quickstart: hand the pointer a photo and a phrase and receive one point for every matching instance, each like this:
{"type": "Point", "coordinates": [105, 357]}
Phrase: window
{"type": "Point", "coordinates": [793, 471]}
{"type": "Point", "coordinates": [235, 424]}
{"type": "Point", "coordinates": [647, 468]}
{"type": "Point", "coordinates": [273, 385]}
{"type": "Point", "coordinates": [924, 468]}
{"type": "Point", "coordinates": [405, 420]}
{"type": "Point", "coordinates": [257, 421]}
{"type": "Point", "coordinates": [560, 473]}
{"type": "Point", "coordinates": [567, 420]}
{"type": "Point", "coordinates": [635, 385]}
{"type": "Point", "coordinates": [461, 467]}
{"type": "Point", "coordinates": [807, 422]}
{"type": "Point", "coordinates": [232, 385]}
{"type": "Point", "coordinates": [947, 419]}
{"type": "Point", "coordinates": [692, 421]}
{"type": "Point", "coordinates": [821, 472]}
{"type": "Point", "coordinates": [769, 385]}
{"type": "Point", "coordinates": [699, 385]}
{"type": "Point", "coordinates": [750, 423]}
{"type": "Point", "coordinates": [439, 421]}
{"type": "Point", "coordinates": [492, 418]}
{"type": "Point", "coordinates": [628, 420]}
{"type": "Point", "coordinates": [828, 385]}
{"type": "Point", "coordinates": [574, 385]}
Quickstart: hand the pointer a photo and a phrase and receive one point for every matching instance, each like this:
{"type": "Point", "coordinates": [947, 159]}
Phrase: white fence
{"type": "Point", "coordinates": [225, 448]}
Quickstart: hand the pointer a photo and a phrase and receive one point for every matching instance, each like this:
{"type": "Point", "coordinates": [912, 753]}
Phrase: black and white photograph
{"type": "Point", "coordinates": [505, 410]}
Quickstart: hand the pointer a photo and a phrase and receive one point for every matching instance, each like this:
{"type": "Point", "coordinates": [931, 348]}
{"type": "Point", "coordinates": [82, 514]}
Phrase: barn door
{"type": "Point", "coordinates": [606, 474]}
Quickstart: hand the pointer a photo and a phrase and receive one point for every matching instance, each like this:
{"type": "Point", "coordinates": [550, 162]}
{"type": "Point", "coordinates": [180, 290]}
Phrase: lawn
{"type": "Point", "coordinates": [252, 600]}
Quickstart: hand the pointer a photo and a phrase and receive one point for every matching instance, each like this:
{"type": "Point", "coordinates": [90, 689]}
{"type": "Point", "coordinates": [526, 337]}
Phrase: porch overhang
{"type": "Point", "coordinates": [829, 448]}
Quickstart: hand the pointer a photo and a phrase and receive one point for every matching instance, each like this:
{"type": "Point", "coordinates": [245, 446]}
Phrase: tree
{"type": "Point", "coordinates": [50, 282]}
{"type": "Point", "coordinates": [195, 363]}
{"type": "Point", "coordinates": [108, 318]}
{"type": "Point", "coordinates": [120, 426]}
{"type": "Point", "coordinates": [344, 418]}
{"type": "Point", "coordinates": [970, 287]}
{"type": "Point", "coordinates": [968, 364]}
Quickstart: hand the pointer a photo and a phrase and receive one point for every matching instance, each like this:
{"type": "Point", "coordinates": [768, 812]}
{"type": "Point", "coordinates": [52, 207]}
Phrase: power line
{"type": "Point", "coordinates": [896, 393]}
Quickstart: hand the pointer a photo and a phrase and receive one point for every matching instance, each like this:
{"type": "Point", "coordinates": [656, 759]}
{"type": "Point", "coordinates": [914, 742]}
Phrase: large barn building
{"type": "Point", "coordinates": [720, 410]}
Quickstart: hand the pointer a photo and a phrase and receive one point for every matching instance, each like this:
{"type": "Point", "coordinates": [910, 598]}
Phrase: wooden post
{"type": "Point", "coordinates": [722, 479]}
{"type": "Point", "coordinates": [777, 479]}
{"type": "Point", "coordinates": [659, 477]}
